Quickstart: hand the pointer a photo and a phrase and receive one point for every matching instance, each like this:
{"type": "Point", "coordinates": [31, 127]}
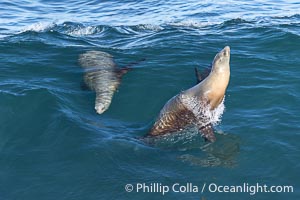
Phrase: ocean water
{"type": "Point", "coordinates": [53, 145]}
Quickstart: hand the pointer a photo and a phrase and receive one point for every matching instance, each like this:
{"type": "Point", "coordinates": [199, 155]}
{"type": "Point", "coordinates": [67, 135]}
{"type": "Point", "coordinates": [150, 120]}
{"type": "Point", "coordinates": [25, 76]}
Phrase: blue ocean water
{"type": "Point", "coordinates": [53, 145]}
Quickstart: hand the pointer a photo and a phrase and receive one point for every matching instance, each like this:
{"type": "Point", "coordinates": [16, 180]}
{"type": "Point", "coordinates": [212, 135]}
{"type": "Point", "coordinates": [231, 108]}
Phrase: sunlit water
{"type": "Point", "coordinates": [54, 146]}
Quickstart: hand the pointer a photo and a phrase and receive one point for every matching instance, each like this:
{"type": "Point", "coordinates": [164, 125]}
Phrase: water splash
{"type": "Point", "coordinates": [217, 113]}
{"type": "Point", "coordinates": [202, 111]}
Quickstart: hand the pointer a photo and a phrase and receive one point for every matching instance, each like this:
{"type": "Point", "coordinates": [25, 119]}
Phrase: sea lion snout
{"type": "Point", "coordinates": [100, 109]}
{"type": "Point", "coordinates": [222, 57]}
{"type": "Point", "coordinates": [226, 51]}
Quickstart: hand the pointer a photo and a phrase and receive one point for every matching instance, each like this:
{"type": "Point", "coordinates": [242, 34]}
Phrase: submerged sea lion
{"type": "Point", "coordinates": [101, 75]}
{"type": "Point", "coordinates": [194, 106]}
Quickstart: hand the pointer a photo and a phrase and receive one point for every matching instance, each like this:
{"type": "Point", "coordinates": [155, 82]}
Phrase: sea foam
{"type": "Point", "coordinates": [39, 27]}
{"type": "Point", "coordinates": [202, 111]}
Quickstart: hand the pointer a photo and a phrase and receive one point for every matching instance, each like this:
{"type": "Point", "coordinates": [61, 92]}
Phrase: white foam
{"type": "Point", "coordinates": [191, 23]}
{"type": "Point", "coordinates": [39, 27]}
{"type": "Point", "coordinates": [150, 27]}
{"type": "Point", "coordinates": [203, 112]}
{"type": "Point", "coordinates": [83, 31]}
{"type": "Point", "coordinates": [217, 113]}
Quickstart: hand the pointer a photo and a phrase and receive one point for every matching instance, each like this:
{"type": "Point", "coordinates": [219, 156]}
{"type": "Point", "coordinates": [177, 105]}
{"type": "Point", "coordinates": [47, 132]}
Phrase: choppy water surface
{"type": "Point", "coordinates": [54, 146]}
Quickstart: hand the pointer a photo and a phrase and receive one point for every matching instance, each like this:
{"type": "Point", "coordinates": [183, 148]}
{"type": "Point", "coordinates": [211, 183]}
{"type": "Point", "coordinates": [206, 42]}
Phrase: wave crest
{"type": "Point", "coordinates": [81, 30]}
{"type": "Point", "coordinates": [40, 27]}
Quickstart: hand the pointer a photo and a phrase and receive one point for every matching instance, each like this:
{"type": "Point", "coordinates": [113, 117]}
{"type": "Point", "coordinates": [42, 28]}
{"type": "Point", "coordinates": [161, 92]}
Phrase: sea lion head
{"type": "Point", "coordinates": [221, 60]}
{"type": "Point", "coordinates": [101, 105]}
{"type": "Point", "coordinates": [100, 108]}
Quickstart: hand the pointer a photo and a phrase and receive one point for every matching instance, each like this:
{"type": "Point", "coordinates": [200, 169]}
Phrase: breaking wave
{"type": "Point", "coordinates": [85, 29]}
{"type": "Point", "coordinates": [39, 27]}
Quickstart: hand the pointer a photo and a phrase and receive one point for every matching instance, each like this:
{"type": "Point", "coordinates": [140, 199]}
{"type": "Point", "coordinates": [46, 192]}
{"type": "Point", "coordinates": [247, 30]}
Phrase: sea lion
{"type": "Point", "coordinates": [102, 76]}
{"type": "Point", "coordinates": [196, 105]}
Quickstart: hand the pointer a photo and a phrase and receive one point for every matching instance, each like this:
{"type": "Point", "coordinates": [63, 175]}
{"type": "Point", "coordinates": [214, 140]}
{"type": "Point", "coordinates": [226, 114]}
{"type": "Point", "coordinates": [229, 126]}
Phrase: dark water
{"type": "Point", "coordinates": [54, 146]}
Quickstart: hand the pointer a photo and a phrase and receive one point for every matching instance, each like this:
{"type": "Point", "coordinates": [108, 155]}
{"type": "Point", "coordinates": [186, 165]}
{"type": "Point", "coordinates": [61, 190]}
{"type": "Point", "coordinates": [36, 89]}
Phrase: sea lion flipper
{"type": "Point", "coordinates": [122, 71]}
{"type": "Point", "coordinates": [208, 133]}
{"type": "Point", "coordinates": [128, 67]}
{"type": "Point", "coordinates": [198, 75]}
{"type": "Point", "coordinates": [201, 76]}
